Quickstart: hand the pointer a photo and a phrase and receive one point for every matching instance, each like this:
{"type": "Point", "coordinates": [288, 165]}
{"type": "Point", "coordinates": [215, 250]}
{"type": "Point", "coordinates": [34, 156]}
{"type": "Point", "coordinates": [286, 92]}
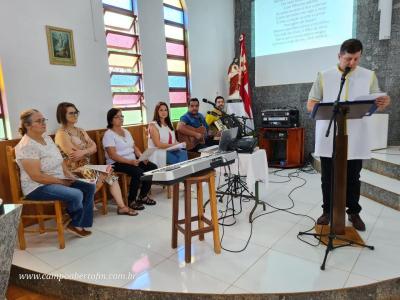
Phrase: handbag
{"type": "Point", "coordinates": [176, 156]}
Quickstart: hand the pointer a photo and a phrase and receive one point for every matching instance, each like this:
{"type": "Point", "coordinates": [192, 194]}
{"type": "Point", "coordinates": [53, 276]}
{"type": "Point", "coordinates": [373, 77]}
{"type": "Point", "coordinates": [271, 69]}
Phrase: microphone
{"type": "Point", "coordinates": [345, 72]}
{"type": "Point", "coordinates": [209, 102]}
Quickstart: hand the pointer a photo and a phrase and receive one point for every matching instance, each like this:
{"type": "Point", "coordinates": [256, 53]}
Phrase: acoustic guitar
{"type": "Point", "coordinates": [191, 141]}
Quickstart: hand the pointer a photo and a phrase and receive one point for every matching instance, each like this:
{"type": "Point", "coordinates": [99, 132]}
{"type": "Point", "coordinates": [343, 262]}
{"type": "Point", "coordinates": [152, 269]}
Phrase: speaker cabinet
{"type": "Point", "coordinates": [284, 146]}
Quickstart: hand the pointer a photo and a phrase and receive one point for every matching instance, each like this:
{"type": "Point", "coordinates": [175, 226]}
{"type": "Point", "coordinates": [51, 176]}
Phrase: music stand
{"type": "Point", "coordinates": [338, 113]}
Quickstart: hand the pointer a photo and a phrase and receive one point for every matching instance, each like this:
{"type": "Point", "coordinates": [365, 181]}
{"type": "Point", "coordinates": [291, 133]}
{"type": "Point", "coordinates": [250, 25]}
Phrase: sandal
{"type": "Point", "coordinates": [146, 200]}
{"type": "Point", "coordinates": [129, 212]}
{"type": "Point", "coordinates": [136, 205]}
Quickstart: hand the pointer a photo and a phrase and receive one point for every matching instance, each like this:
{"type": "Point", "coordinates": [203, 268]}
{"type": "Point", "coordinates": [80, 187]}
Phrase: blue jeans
{"type": "Point", "coordinates": [78, 198]}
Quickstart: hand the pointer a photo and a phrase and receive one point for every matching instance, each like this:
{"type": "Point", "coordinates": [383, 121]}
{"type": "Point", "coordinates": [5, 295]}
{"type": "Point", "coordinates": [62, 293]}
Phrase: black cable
{"type": "Point", "coordinates": [294, 174]}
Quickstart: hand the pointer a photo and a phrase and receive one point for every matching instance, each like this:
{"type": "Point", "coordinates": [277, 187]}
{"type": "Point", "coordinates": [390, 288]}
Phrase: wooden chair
{"type": "Point", "coordinates": [38, 206]}
{"type": "Point", "coordinates": [102, 160]}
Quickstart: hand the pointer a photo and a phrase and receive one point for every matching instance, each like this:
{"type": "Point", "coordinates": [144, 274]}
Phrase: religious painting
{"type": "Point", "coordinates": [60, 42]}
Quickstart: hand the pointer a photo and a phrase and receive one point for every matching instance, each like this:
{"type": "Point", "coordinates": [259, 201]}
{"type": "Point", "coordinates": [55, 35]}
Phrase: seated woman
{"type": "Point", "coordinates": [162, 136]}
{"type": "Point", "coordinates": [76, 147]}
{"type": "Point", "coordinates": [44, 175]}
{"type": "Point", "coordinates": [121, 152]}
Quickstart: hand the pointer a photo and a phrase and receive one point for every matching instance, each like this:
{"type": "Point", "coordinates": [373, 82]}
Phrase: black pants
{"type": "Point", "coordinates": [353, 184]}
{"type": "Point", "coordinates": [136, 172]}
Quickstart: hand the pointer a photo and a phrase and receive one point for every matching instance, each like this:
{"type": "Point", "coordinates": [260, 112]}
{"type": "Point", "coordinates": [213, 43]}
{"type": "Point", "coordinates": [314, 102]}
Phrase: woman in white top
{"type": "Point", "coordinates": [161, 134]}
{"type": "Point", "coordinates": [121, 152]}
{"type": "Point", "coordinates": [45, 176]}
{"type": "Point", "coordinates": [76, 147]}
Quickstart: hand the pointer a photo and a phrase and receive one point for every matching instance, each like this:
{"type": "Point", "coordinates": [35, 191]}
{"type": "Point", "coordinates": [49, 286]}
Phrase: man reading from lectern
{"type": "Point", "coordinates": [213, 116]}
{"type": "Point", "coordinates": [359, 82]}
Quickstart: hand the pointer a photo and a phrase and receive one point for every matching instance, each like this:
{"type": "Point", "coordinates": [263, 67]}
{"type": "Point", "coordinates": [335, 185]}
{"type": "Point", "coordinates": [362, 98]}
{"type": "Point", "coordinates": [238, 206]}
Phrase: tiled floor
{"type": "Point", "coordinates": [135, 252]}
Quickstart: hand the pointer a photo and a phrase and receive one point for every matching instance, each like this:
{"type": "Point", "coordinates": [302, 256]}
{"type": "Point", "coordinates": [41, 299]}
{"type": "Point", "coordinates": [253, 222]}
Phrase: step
{"type": "Point", "coordinates": [385, 162]}
{"type": "Point", "coordinates": [375, 186]}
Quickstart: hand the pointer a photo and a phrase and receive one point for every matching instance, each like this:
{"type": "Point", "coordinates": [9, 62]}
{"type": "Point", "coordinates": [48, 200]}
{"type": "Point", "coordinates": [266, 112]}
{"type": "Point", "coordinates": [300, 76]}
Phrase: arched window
{"type": "Point", "coordinates": [177, 57]}
{"type": "Point", "coordinates": [122, 39]}
{"type": "Point", "coordinates": [3, 133]}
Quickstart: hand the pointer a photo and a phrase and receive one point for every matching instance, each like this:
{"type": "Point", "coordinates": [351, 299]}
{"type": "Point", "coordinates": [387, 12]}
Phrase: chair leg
{"type": "Point", "coordinates": [175, 211]}
{"type": "Point", "coordinates": [124, 189]}
{"type": "Point", "coordinates": [39, 211]}
{"type": "Point", "coordinates": [60, 227]}
{"type": "Point", "coordinates": [200, 208]}
{"type": "Point", "coordinates": [21, 235]}
{"type": "Point", "coordinates": [214, 215]}
{"type": "Point", "coordinates": [188, 223]}
{"type": "Point", "coordinates": [104, 199]}
{"type": "Point", "coordinates": [169, 192]}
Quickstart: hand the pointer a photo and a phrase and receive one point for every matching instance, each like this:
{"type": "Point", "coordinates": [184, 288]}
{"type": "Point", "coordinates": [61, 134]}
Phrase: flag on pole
{"type": "Point", "coordinates": [244, 90]}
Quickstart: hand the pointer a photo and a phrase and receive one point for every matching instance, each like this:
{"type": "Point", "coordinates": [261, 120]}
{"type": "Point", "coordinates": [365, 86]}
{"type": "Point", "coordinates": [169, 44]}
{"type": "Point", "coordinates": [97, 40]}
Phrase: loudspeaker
{"type": "Point", "coordinates": [284, 146]}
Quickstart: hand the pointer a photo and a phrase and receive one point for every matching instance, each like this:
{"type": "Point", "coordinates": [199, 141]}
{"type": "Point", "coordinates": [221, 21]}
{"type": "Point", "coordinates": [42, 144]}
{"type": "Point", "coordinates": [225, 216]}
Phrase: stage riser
{"type": "Point", "coordinates": [382, 167]}
{"type": "Point", "coordinates": [376, 193]}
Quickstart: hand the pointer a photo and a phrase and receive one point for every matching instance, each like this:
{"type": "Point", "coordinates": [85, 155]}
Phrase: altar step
{"type": "Point", "coordinates": [380, 176]}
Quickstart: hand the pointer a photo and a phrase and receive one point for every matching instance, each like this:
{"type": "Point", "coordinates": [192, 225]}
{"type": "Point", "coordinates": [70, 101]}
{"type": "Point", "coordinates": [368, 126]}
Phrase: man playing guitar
{"type": "Point", "coordinates": [192, 127]}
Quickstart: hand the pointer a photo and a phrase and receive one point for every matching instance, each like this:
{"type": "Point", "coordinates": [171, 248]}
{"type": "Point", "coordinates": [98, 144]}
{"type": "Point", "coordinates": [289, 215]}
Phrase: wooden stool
{"type": "Point", "coordinates": [198, 179]}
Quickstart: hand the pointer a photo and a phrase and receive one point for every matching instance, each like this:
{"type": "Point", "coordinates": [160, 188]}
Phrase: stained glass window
{"type": "Point", "coordinates": [177, 59]}
{"type": "Point", "coordinates": [122, 38]}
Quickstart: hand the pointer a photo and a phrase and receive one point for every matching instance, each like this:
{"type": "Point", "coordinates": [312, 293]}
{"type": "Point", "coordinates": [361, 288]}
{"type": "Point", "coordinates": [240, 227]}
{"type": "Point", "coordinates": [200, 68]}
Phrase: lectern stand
{"type": "Point", "coordinates": [338, 113]}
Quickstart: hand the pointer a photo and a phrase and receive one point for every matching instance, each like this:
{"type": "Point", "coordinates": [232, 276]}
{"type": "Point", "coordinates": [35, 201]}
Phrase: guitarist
{"type": "Point", "coordinates": [192, 127]}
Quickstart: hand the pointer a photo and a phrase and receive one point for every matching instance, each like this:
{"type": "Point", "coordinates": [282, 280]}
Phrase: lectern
{"type": "Point", "coordinates": [338, 113]}
{"type": "Point", "coordinates": [347, 110]}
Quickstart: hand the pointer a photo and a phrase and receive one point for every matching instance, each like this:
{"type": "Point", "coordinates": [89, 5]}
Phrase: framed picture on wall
{"type": "Point", "coordinates": [60, 42]}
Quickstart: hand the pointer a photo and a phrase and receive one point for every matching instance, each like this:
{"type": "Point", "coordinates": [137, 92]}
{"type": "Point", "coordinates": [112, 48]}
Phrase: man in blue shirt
{"type": "Point", "coordinates": [192, 127]}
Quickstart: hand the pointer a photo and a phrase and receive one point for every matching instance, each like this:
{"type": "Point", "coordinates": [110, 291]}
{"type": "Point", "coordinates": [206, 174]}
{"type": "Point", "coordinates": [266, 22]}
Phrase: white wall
{"type": "Point", "coordinates": [31, 81]}
{"type": "Point", "coordinates": [154, 53]}
{"type": "Point", "coordinates": [211, 47]}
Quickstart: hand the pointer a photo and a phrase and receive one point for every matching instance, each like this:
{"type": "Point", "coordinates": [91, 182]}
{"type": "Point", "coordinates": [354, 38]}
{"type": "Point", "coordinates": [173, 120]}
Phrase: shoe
{"type": "Point", "coordinates": [323, 219]}
{"type": "Point", "coordinates": [78, 232]}
{"type": "Point", "coordinates": [129, 212]}
{"type": "Point", "coordinates": [136, 205]}
{"type": "Point", "coordinates": [357, 222]}
{"type": "Point", "coordinates": [87, 232]}
{"type": "Point", "coordinates": [146, 200]}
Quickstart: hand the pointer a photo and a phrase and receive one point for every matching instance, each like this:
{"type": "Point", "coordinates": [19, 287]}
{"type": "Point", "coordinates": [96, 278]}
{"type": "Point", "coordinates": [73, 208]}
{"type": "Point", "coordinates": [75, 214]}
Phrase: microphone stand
{"type": "Point", "coordinates": [332, 234]}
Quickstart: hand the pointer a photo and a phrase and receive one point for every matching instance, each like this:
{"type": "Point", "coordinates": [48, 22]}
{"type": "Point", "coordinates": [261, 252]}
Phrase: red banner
{"type": "Point", "coordinates": [244, 90]}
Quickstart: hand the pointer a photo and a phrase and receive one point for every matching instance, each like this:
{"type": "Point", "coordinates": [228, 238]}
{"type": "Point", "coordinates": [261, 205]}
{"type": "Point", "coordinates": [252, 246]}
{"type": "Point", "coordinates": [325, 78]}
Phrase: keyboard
{"type": "Point", "coordinates": [177, 172]}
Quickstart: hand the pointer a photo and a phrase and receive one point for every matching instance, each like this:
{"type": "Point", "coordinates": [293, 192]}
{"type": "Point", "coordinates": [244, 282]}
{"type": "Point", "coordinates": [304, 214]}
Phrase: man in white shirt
{"type": "Point", "coordinates": [359, 82]}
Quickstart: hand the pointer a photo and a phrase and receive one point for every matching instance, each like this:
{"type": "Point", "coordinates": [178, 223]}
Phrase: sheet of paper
{"type": "Point", "coordinates": [146, 154]}
{"type": "Point", "coordinates": [177, 146]}
{"type": "Point", "coordinates": [369, 97]}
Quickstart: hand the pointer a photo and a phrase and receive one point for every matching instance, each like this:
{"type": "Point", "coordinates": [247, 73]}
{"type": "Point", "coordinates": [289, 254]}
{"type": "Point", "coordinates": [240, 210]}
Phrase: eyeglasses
{"type": "Point", "coordinates": [73, 113]}
{"type": "Point", "coordinates": [119, 117]}
{"type": "Point", "coordinates": [41, 121]}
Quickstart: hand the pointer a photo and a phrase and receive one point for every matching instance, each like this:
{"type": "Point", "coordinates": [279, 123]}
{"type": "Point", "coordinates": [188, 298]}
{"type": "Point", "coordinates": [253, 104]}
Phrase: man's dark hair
{"type": "Point", "coordinates": [218, 97]}
{"type": "Point", "coordinates": [193, 100]}
{"type": "Point", "coordinates": [351, 46]}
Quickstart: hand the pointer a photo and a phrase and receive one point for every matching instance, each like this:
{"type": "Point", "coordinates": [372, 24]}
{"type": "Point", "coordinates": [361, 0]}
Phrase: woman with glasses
{"type": "Point", "coordinates": [76, 147]}
{"type": "Point", "coordinates": [45, 176]}
{"type": "Point", "coordinates": [123, 154]}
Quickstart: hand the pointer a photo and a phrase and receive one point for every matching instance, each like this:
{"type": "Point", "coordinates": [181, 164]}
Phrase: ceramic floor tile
{"type": "Point", "coordinates": [341, 258]}
{"type": "Point", "coordinates": [156, 238]}
{"type": "Point", "coordinates": [357, 280]}
{"type": "Point", "coordinates": [26, 260]}
{"type": "Point", "coordinates": [113, 265]}
{"type": "Point", "coordinates": [226, 266]}
{"type": "Point", "coordinates": [278, 272]}
{"type": "Point", "coordinates": [169, 276]}
{"type": "Point", "coordinates": [379, 264]}
{"type": "Point", "coordinates": [235, 290]}
{"type": "Point", "coordinates": [75, 247]}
